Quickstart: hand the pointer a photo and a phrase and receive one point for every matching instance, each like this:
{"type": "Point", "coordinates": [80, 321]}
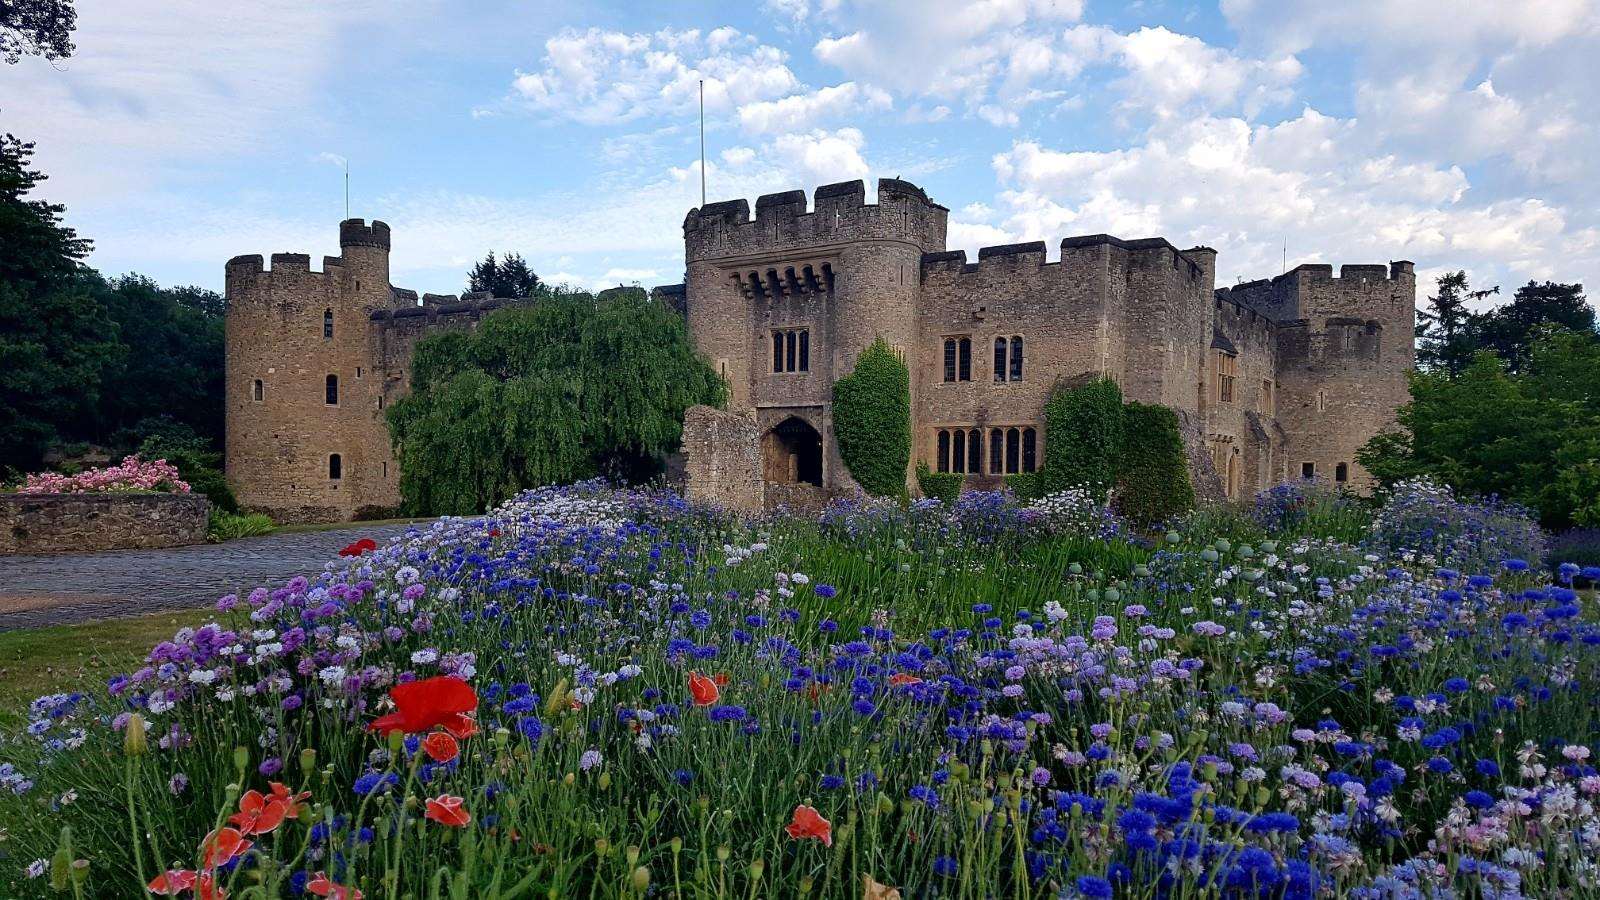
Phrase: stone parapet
{"type": "Point", "coordinates": [57, 523]}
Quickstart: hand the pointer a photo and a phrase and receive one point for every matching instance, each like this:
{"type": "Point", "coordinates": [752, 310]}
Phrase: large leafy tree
{"type": "Point", "coordinates": [173, 367]}
{"type": "Point", "coordinates": [55, 338]}
{"type": "Point", "coordinates": [1532, 436]}
{"type": "Point", "coordinates": [569, 388]}
{"type": "Point", "coordinates": [36, 28]}
{"type": "Point", "coordinates": [508, 277]}
{"type": "Point", "coordinates": [1510, 330]}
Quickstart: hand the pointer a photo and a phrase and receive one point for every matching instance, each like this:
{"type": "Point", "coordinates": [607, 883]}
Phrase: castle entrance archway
{"type": "Point", "coordinates": [791, 453]}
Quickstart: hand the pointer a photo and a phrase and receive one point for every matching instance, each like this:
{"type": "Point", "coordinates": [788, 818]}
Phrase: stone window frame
{"type": "Point", "coordinates": [1014, 448]}
{"type": "Point", "coordinates": [956, 365]}
{"type": "Point", "coordinates": [330, 389]}
{"type": "Point", "coordinates": [958, 449]}
{"type": "Point", "coordinates": [1009, 353]}
{"type": "Point", "coordinates": [1341, 472]}
{"type": "Point", "coordinates": [327, 324]}
{"type": "Point", "coordinates": [1308, 470]}
{"type": "Point", "coordinates": [1227, 370]}
{"type": "Point", "coordinates": [258, 391]}
{"type": "Point", "coordinates": [791, 350]}
{"type": "Point", "coordinates": [335, 467]}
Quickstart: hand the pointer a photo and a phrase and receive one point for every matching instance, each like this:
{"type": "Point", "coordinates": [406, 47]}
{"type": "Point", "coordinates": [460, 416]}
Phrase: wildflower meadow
{"type": "Point", "coordinates": [596, 692]}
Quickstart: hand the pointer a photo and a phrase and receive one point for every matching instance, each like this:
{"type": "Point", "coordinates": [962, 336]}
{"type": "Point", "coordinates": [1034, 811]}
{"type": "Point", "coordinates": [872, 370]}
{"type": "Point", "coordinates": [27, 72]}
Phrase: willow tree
{"type": "Point", "coordinates": [563, 389]}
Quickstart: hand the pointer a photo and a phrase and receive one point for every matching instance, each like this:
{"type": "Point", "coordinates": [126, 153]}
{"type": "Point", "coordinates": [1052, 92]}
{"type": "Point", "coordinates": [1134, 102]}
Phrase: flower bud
{"type": "Point", "coordinates": [308, 760]}
{"type": "Point", "coordinates": [241, 758]}
{"type": "Point", "coordinates": [641, 879]}
{"type": "Point", "coordinates": [134, 741]}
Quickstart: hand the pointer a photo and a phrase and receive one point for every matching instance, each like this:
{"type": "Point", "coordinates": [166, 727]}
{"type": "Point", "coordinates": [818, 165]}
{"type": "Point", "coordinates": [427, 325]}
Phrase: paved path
{"type": "Point", "coordinates": [59, 588]}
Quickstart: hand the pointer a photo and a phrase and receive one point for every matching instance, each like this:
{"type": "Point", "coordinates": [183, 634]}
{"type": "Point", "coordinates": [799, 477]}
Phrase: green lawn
{"type": "Point", "coordinates": [77, 657]}
{"type": "Point", "coordinates": [339, 526]}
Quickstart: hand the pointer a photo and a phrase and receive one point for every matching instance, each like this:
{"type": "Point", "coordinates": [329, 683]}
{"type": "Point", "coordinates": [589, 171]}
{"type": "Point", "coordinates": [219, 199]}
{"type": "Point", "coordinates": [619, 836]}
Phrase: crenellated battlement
{"type": "Point", "coordinates": [357, 233]}
{"type": "Point", "coordinates": [839, 214]}
{"type": "Point", "coordinates": [1195, 264]}
{"type": "Point", "coordinates": [438, 308]}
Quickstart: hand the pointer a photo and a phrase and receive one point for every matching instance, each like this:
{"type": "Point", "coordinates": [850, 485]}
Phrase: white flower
{"type": "Point", "coordinates": [202, 676]}
{"type": "Point", "coordinates": [332, 675]}
{"type": "Point", "coordinates": [425, 657]}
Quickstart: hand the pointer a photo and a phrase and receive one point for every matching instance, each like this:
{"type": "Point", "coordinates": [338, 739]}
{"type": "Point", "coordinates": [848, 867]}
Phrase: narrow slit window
{"type": "Point", "coordinates": [1013, 450]}
{"type": "Point", "coordinates": [958, 461]}
{"type": "Point", "coordinates": [1029, 450]}
{"type": "Point", "coordinates": [997, 451]}
{"type": "Point", "coordinates": [331, 390]}
{"type": "Point", "coordinates": [944, 451]}
{"type": "Point", "coordinates": [327, 323]}
{"type": "Point", "coordinates": [1016, 358]}
{"type": "Point", "coordinates": [975, 452]}
{"type": "Point", "coordinates": [777, 351]}
{"type": "Point", "coordinates": [950, 359]}
{"type": "Point", "coordinates": [805, 351]}
{"type": "Point", "coordinates": [966, 360]}
{"type": "Point", "coordinates": [1341, 473]}
{"type": "Point", "coordinates": [999, 359]}
{"type": "Point", "coordinates": [258, 391]}
{"type": "Point", "coordinates": [335, 466]}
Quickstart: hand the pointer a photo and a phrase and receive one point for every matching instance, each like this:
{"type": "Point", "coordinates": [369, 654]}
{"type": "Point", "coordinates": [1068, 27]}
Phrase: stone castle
{"type": "Point", "coordinates": [1271, 379]}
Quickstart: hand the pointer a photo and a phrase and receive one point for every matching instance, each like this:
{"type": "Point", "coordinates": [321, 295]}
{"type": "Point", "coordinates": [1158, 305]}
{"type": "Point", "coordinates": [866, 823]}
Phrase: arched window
{"type": "Point", "coordinates": [258, 391]}
{"type": "Point", "coordinates": [1341, 472]}
{"type": "Point", "coordinates": [331, 389]}
{"type": "Point", "coordinates": [965, 373]}
{"type": "Point", "coordinates": [1013, 450]}
{"type": "Point", "coordinates": [335, 466]}
{"type": "Point", "coordinates": [999, 359]}
{"type": "Point", "coordinates": [1016, 358]}
{"type": "Point", "coordinates": [1030, 454]}
{"type": "Point", "coordinates": [944, 451]}
{"type": "Point", "coordinates": [997, 451]}
{"type": "Point", "coordinates": [958, 456]}
{"type": "Point", "coordinates": [327, 323]}
{"type": "Point", "coordinates": [975, 452]}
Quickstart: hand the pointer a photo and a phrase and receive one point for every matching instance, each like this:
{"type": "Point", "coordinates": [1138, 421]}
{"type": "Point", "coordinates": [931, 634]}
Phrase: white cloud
{"type": "Point", "coordinates": [1237, 187]}
{"type": "Point", "coordinates": [822, 156]}
{"type": "Point", "coordinates": [598, 77]}
{"type": "Point", "coordinates": [803, 111]}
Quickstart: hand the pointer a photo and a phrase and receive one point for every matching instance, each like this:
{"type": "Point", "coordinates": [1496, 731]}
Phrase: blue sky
{"type": "Point", "coordinates": [1456, 134]}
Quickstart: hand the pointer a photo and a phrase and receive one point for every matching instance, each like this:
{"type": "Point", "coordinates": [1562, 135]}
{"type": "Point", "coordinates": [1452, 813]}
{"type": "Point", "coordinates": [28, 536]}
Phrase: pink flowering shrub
{"type": "Point", "coordinates": [132, 474]}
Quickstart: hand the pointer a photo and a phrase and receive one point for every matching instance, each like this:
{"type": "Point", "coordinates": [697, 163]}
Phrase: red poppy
{"type": "Point", "coordinates": [447, 810]}
{"type": "Point", "coordinates": [441, 747]}
{"type": "Point", "coordinates": [901, 678]}
{"type": "Point", "coordinates": [704, 690]}
{"type": "Point", "coordinates": [494, 532]}
{"type": "Point", "coordinates": [206, 888]}
{"type": "Point", "coordinates": [222, 847]}
{"type": "Point", "coordinates": [359, 548]}
{"type": "Point", "coordinates": [808, 823]}
{"type": "Point", "coordinates": [257, 814]}
{"type": "Point", "coordinates": [440, 701]}
{"type": "Point", "coordinates": [172, 882]}
{"type": "Point", "coordinates": [321, 886]}
{"type": "Point", "coordinates": [721, 678]}
{"type": "Point", "coordinates": [293, 804]}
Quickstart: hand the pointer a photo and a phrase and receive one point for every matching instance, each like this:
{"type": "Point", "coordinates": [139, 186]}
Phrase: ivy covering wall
{"type": "Point", "coordinates": [1084, 438]}
{"type": "Point", "coordinates": [872, 420]}
{"type": "Point", "coordinates": [1152, 474]}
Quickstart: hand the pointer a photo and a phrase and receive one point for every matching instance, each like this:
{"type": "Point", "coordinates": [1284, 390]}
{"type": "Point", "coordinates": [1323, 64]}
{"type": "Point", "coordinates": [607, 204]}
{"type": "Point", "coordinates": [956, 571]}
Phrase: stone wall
{"type": "Point", "coordinates": [722, 459]}
{"type": "Point", "coordinates": [54, 523]}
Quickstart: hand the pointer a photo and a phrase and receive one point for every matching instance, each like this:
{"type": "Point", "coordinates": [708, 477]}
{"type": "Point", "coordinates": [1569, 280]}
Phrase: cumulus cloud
{"type": "Point", "coordinates": [803, 111]}
{"type": "Point", "coordinates": [599, 77]}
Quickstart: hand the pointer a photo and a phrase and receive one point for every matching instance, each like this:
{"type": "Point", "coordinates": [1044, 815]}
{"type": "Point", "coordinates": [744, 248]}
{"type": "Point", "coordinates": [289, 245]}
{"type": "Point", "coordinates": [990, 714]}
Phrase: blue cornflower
{"type": "Point", "coordinates": [729, 714]}
{"type": "Point", "coordinates": [825, 591]}
{"type": "Point", "coordinates": [1094, 886]}
{"type": "Point", "coordinates": [946, 866]}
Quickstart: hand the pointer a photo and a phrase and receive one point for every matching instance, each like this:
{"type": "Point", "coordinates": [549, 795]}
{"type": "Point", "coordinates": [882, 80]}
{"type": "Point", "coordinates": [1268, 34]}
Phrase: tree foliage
{"type": "Point", "coordinates": [1152, 471]}
{"type": "Point", "coordinates": [1532, 436]}
{"type": "Point", "coordinates": [1084, 437]}
{"type": "Point", "coordinates": [1450, 331]}
{"type": "Point", "coordinates": [509, 277]}
{"type": "Point", "coordinates": [55, 337]}
{"type": "Point", "coordinates": [872, 420]}
{"type": "Point", "coordinates": [36, 28]}
{"type": "Point", "coordinates": [563, 389]}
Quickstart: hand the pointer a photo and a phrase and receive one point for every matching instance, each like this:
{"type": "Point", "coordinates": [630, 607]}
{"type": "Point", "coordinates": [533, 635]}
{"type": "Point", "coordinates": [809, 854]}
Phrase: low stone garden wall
{"type": "Point", "coordinates": [55, 523]}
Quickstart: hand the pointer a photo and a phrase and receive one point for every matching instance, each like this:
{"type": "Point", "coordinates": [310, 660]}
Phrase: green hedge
{"type": "Point", "coordinates": [872, 420]}
{"type": "Point", "coordinates": [1153, 472]}
{"type": "Point", "coordinates": [1084, 428]}
{"type": "Point", "coordinates": [944, 486]}
{"type": "Point", "coordinates": [1027, 485]}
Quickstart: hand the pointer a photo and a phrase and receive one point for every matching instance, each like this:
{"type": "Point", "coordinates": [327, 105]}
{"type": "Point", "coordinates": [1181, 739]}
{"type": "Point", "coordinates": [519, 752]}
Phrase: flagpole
{"type": "Point", "coordinates": [702, 142]}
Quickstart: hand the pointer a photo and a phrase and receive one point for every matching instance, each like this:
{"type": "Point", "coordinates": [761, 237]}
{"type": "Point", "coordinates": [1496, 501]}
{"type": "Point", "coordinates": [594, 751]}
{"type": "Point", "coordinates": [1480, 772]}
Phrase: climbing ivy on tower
{"type": "Point", "coordinates": [1153, 475]}
{"type": "Point", "coordinates": [872, 420]}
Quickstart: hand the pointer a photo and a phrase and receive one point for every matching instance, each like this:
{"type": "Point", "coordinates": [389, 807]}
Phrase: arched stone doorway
{"type": "Point", "coordinates": [791, 453]}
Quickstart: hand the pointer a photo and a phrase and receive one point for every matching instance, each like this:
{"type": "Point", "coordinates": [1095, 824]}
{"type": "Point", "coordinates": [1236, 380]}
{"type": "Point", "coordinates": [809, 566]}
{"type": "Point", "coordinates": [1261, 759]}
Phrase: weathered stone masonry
{"type": "Point", "coordinates": [1271, 379]}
